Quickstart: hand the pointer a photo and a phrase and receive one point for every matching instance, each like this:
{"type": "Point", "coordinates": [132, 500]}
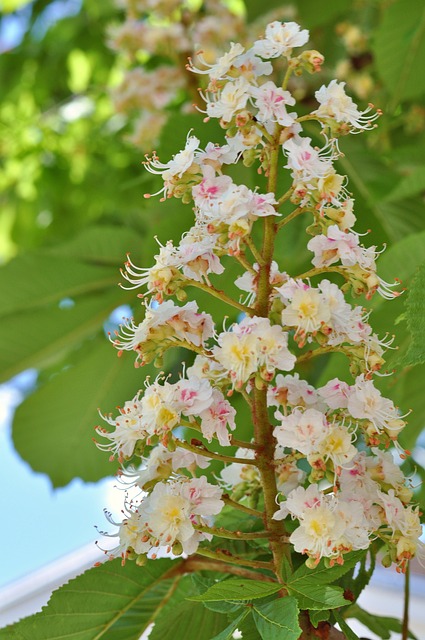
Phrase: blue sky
{"type": "Point", "coordinates": [41, 524]}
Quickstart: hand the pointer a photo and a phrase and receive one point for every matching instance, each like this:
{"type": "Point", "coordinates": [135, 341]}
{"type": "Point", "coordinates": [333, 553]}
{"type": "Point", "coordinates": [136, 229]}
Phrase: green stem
{"type": "Point", "coordinates": [287, 76]}
{"type": "Point", "coordinates": [202, 451]}
{"type": "Point", "coordinates": [242, 444]}
{"type": "Point", "coordinates": [307, 117]}
{"type": "Point", "coordinates": [405, 627]}
{"type": "Point", "coordinates": [241, 258]}
{"type": "Point", "coordinates": [264, 131]}
{"type": "Point", "coordinates": [321, 351]}
{"type": "Point", "coordinates": [285, 197]}
{"type": "Point", "coordinates": [233, 441]}
{"type": "Point", "coordinates": [220, 532]}
{"type": "Point", "coordinates": [231, 559]}
{"type": "Point", "coordinates": [242, 507]}
{"type": "Point", "coordinates": [192, 347]}
{"type": "Point", "coordinates": [318, 270]}
{"type": "Point", "coordinates": [291, 217]}
{"type": "Point", "coordinates": [220, 295]}
{"type": "Point", "coordinates": [257, 255]}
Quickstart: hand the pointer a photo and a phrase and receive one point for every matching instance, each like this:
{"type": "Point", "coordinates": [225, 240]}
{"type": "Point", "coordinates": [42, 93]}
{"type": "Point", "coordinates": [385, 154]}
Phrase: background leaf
{"type": "Point", "coordinates": [278, 618]}
{"type": "Point", "coordinates": [415, 316]}
{"type": "Point", "coordinates": [109, 602]}
{"type": "Point", "coordinates": [400, 50]}
{"type": "Point", "coordinates": [238, 590]}
{"type": "Point", "coordinates": [92, 382]}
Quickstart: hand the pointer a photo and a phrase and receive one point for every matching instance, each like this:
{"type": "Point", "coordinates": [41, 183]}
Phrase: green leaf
{"type": "Point", "coordinates": [371, 181]}
{"type": "Point", "coordinates": [249, 630]}
{"type": "Point", "coordinates": [314, 14]}
{"type": "Point", "coordinates": [35, 280]}
{"type": "Point", "coordinates": [227, 633]}
{"type": "Point", "coordinates": [52, 332]}
{"type": "Point", "coordinates": [54, 426]}
{"type": "Point", "coordinates": [412, 185]}
{"type": "Point", "coordinates": [415, 315]}
{"type": "Point", "coordinates": [399, 48]}
{"type": "Point", "coordinates": [318, 616]}
{"type": "Point", "coordinates": [102, 245]}
{"type": "Point", "coordinates": [325, 575]}
{"type": "Point", "coordinates": [180, 619]}
{"type": "Point", "coordinates": [110, 602]}
{"type": "Point", "coordinates": [380, 625]}
{"type": "Point", "coordinates": [278, 619]}
{"type": "Point", "coordinates": [407, 391]}
{"type": "Point", "coordinates": [349, 633]}
{"type": "Point", "coordinates": [8, 6]}
{"type": "Point", "coordinates": [316, 596]}
{"type": "Point", "coordinates": [238, 590]}
{"type": "Point", "coordinates": [255, 9]}
{"type": "Point", "coordinates": [372, 622]}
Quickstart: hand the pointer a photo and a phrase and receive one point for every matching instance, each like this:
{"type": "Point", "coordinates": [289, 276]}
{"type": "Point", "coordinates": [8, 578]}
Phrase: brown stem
{"type": "Point", "coordinates": [195, 564]}
{"type": "Point", "coordinates": [225, 556]}
{"type": "Point", "coordinates": [263, 430]}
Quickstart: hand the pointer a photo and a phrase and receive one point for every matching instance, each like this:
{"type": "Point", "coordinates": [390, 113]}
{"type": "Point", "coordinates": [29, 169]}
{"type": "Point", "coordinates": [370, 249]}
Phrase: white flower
{"type": "Point", "coordinates": [335, 393]}
{"type": "Point", "coordinates": [231, 99]}
{"type": "Point", "coordinates": [280, 38]}
{"type": "Point", "coordinates": [196, 255]}
{"type": "Point", "coordinates": [301, 430]}
{"type": "Point", "coordinates": [305, 161]}
{"type": "Point", "coordinates": [271, 102]}
{"type": "Point", "coordinates": [160, 413]}
{"type": "Point", "coordinates": [218, 418]}
{"type": "Point", "coordinates": [335, 104]}
{"type": "Point", "coordinates": [193, 395]}
{"type": "Point", "coordinates": [254, 345]}
{"type": "Point", "coordinates": [166, 514]}
{"type": "Point", "coordinates": [175, 167]}
{"type": "Point", "coordinates": [365, 402]}
{"type": "Point", "coordinates": [232, 474]}
{"type": "Point", "coordinates": [307, 310]}
{"type": "Point", "coordinates": [237, 353]}
{"type": "Point", "coordinates": [204, 497]}
{"type": "Point", "coordinates": [129, 428]}
{"type": "Point", "coordinates": [219, 70]}
{"type": "Point", "coordinates": [337, 446]}
{"type": "Point", "coordinates": [290, 389]}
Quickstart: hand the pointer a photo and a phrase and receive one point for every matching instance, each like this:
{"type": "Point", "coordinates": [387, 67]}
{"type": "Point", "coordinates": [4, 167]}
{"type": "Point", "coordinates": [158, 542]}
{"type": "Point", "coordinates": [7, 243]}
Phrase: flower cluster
{"type": "Point", "coordinates": [169, 32]}
{"type": "Point", "coordinates": [317, 455]}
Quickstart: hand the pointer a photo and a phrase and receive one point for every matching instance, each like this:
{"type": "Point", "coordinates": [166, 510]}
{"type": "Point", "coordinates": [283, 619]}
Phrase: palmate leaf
{"type": "Point", "coordinates": [102, 245]}
{"type": "Point", "coordinates": [415, 316]}
{"type": "Point", "coordinates": [316, 596]}
{"type": "Point", "coordinates": [181, 619]}
{"type": "Point", "coordinates": [33, 281]}
{"type": "Point", "coordinates": [227, 633]}
{"type": "Point", "coordinates": [382, 626]}
{"type": "Point", "coordinates": [109, 602]}
{"type": "Point", "coordinates": [54, 331]}
{"type": "Point", "coordinates": [278, 618]}
{"type": "Point", "coordinates": [399, 48]}
{"type": "Point", "coordinates": [412, 185]}
{"type": "Point", "coordinates": [371, 181]}
{"type": "Point", "coordinates": [238, 590]}
{"type": "Point", "coordinates": [58, 419]}
{"type": "Point", "coordinates": [349, 633]}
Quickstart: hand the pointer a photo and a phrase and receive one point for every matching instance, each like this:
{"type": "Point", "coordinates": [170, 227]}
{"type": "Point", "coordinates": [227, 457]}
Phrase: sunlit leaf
{"type": "Point", "coordinates": [54, 426]}
{"type": "Point", "coordinates": [110, 602]}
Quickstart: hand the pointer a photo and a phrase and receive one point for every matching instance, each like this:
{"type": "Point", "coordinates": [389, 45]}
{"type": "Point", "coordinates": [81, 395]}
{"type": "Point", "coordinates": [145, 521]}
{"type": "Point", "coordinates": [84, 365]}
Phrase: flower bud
{"type": "Point", "coordinates": [311, 61]}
